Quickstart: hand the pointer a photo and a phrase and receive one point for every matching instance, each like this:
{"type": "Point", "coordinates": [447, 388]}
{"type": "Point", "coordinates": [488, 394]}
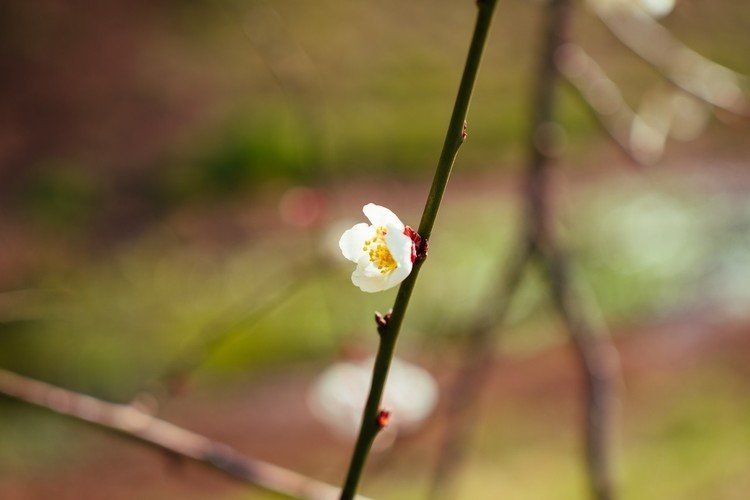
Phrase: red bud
{"type": "Point", "coordinates": [384, 417]}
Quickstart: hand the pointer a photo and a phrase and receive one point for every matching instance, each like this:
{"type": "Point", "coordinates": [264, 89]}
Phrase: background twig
{"type": "Point", "coordinates": [222, 331]}
{"type": "Point", "coordinates": [596, 353]}
{"type": "Point", "coordinates": [592, 347]}
{"type": "Point", "coordinates": [680, 65]}
{"type": "Point", "coordinates": [600, 95]}
{"type": "Point", "coordinates": [131, 423]}
{"type": "Point", "coordinates": [473, 374]}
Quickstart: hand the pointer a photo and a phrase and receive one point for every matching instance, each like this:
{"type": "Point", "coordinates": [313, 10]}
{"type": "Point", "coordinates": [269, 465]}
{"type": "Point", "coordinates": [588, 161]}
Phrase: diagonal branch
{"type": "Point", "coordinates": [129, 422]}
{"type": "Point", "coordinates": [683, 67]}
{"type": "Point", "coordinates": [222, 331]}
{"type": "Point", "coordinates": [455, 135]}
{"type": "Point", "coordinates": [599, 93]}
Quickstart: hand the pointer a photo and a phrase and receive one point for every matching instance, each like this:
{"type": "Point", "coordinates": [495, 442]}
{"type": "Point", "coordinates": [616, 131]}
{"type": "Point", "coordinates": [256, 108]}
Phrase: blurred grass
{"type": "Point", "coordinates": [273, 89]}
{"type": "Point", "coordinates": [646, 247]}
{"type": "Point", "coordinates": [154, 298]}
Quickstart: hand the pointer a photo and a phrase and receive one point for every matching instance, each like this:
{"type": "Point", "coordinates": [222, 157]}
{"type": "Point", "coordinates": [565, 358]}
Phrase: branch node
{"type": "Point", "coordinates": [464, 131]}
{"type": "Point", "coordinates": [422, 248]}
{"type": "Point", "coordinates": [419, 245]}
{"type": "Point", "coordinates": [382, 321]}
{"type": "Point", "coordinates": [383, 419]}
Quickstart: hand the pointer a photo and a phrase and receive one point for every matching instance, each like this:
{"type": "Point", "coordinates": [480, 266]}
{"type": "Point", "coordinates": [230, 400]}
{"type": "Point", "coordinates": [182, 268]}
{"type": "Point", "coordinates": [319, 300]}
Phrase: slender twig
{"type": "Point", "coordinates": [600, 363]}
{"type": "Point", "coordinates": [370, 426]}
{"type": "Point", "coordinates": [600, 94]}
{"type": "Point", "coordinates": [129, 422]}
{"type": "Point", "coordinates": [595, 351]}
{"type": "Point", "coordinates": [592, 347]}
{"type": "Point", "coordinates": [683, 67]}
{"type": "Point", "coordinates": [223, 331]}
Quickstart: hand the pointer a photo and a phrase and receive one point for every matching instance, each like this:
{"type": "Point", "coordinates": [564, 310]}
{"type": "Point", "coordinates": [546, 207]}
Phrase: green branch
{"type": "Point", "coordinates": [389, 330]}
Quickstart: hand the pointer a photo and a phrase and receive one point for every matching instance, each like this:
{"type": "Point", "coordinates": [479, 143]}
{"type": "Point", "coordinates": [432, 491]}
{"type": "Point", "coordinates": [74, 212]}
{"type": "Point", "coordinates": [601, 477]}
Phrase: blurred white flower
{"type": "Point", "coordinates": [657, 8]}
{"type": "Point", "coordinates": [338, 396]}
{"type": "Point", "coordinates": [383, 250]}
{"type": "Point", "coordinates": [653, 8]}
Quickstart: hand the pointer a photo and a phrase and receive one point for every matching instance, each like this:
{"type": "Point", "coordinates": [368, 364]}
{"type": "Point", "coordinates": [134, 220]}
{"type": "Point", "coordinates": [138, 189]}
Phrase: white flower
{"type": "Point", "coordinates": [383, 252]}
{"type": "Point", "coordinates": [339, 394]}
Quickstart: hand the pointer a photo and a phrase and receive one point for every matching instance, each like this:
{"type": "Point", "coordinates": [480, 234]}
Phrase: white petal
{"type": "Point", "coordinates": [369, 279]}
{"type": "Point", "coordinates": [368, 283]}
{"type": "Point", "coordinates": [397, 275]}
{"type": "Point", "coordinates": [381, 216]}
{"type": "Point", "coordinates": [400, 247]}
{"type": "Point", "coordinates": [369, 268]}
{"type": "Point", "coordinates": [353, 239]}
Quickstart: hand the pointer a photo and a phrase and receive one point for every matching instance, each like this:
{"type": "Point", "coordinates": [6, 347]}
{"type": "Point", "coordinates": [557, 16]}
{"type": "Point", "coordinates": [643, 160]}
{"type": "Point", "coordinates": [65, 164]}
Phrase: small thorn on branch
{"type": "Point", "coordinates": [422, 249]}
{"type": "Point", "coordinates": [464, 131]}
{"type": "Point", "coordinates": [382, 321]}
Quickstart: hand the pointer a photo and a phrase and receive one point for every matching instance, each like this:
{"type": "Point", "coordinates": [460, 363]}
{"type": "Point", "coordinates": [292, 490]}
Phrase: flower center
{"type": "Point", "coordinates": [378, 251]}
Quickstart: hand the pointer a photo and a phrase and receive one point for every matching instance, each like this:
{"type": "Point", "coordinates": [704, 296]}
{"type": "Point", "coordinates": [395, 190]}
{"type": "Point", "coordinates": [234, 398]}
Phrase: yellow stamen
{"type": "Point", "coordinates": [378, 251]}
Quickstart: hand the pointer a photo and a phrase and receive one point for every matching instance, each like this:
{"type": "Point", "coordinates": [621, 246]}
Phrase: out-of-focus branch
{"type": "Point", "coordinates": [224, 331]}
{"type": "Point", "coordinates": [129, 422]}
{"type": "Point", "coordinates": [600, 361]}
{"type": "Point", "coordinates": [682, 66]}
{"type": "Point", "coordinates": [473, 374]}
{"type": "Point", "coordinates": [600, 95]}
{"type": "Point", "coordinates": [642, 135]}
{"type": "Point", "coordinates": [596, 370]}
{"type": "Point", "coordinates": [595, 351]}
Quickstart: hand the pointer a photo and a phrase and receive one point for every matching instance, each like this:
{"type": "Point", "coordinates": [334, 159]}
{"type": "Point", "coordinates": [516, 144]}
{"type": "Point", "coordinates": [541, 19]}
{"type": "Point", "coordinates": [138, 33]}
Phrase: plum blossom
{"type": "Point", "coordinates": [383, 250]}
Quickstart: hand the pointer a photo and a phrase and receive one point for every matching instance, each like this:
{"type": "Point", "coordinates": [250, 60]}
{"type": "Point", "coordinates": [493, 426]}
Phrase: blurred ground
{"type": "Point", "coordinates": [684, 432]}
{"type": "Point", "coordinates": [683, 333]}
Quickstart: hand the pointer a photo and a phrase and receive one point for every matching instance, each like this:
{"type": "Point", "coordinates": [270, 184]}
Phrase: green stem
{"type": "Point", "coordinates": [389, 333]}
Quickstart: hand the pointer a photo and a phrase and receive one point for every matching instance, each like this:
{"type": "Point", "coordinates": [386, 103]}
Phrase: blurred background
{"type": "Point", "coordinates": [174, 178]}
